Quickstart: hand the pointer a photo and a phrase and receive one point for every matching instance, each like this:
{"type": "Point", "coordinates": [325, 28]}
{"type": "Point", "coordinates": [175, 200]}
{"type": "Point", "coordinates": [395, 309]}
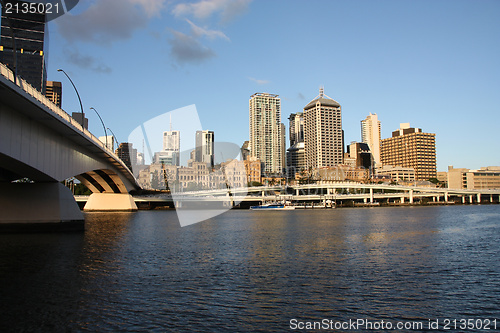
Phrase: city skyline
{"type": "Point", "coordinates": [397, 66]}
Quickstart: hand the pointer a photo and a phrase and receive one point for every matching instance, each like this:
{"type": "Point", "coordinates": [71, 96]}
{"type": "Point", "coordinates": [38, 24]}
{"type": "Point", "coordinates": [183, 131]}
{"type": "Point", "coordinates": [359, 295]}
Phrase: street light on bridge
{"type": "Point", "coordinates": [114, 136]}
{"type": "Point", "coordinates": [77, 94]}
{"type": "Point", "coordinates": [102, 122]}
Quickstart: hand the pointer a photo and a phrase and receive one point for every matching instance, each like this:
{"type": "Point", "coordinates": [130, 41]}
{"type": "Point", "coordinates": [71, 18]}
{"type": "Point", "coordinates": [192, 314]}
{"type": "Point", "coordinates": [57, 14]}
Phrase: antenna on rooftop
{"type": "Point", "coordinates": [321, 91]}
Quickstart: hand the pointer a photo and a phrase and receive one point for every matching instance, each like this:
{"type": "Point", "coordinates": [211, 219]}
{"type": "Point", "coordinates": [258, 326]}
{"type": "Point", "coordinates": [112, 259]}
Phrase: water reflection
{"type": "Point", "coordinates": [253, 271]}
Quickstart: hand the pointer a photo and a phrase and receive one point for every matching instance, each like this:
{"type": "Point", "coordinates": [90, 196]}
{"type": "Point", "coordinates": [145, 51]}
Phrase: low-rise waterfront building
{"type": "Point", "coordinates": [253, 170]}
{"type": "Point", "coordinates": [396, 173]}
{"type": "Point", "coordinates": [234, 172]}
{"type": "Point", "coordinates": [340, 173]}
{"type": "Point", "coordinates": [482, 179]}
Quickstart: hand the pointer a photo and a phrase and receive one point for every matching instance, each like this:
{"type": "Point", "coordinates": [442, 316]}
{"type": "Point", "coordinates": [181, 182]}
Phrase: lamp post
{"type": "Point", "coordinates": [102, 122]}
{"type": "Point", "coordinates": [114, 136]}
{"type": "Point", "coordinates": [77, 94]}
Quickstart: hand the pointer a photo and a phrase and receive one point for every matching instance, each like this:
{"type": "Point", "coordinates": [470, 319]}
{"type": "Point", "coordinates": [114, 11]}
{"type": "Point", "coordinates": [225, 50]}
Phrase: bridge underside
{"type": "Point", "coordinates": [102, 181]}
{"type": "Point", "coordinates": [45, 145]}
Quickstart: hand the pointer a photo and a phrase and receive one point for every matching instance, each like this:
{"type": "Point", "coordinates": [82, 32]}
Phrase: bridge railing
{"type": "Point", "coordinates": [32, 91]}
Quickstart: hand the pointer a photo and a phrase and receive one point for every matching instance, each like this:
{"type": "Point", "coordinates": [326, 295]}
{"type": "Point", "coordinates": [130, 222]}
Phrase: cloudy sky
{"type": "Point", "coordinates": [434, 64]}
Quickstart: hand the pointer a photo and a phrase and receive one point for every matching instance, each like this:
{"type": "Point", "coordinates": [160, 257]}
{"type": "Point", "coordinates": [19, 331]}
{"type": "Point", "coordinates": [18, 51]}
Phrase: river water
{"type": "Point", "coordinates": [257, 271]}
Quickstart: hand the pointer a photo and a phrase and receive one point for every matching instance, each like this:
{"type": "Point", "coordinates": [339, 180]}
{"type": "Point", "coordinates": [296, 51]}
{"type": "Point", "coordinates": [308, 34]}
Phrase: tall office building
{"type": "Point", "coordinates": [266, 132]}
{"type": "Point", "coordinates": [295, 160]}
{"type": "Point", "coordinates": [411, 148]}
{"type": "Point", "coordinates": [53, 91]}
{"type": "Point", "coordinates": [172, 146]}
{"type": "Point", "coordinates": [21, 44]}
{"type": "Point", "coordinates": [358, 155]}
{"type": "Point", "coordinates": [323, 132]}
{"type": "Point", "coordinates": [370, 134]}
{"type": "Point", "coordinates": [296, 121]}
{"type": "Point", "coordinates": [204, 151]}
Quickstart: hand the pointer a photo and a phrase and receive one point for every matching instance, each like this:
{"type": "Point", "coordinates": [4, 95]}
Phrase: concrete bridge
{"type": "Point", "coordinates": [41, 142]}
{"type": "Point", "coordinates": [315, 196]}
{"type": "Point", "coordinates": [356, 193]}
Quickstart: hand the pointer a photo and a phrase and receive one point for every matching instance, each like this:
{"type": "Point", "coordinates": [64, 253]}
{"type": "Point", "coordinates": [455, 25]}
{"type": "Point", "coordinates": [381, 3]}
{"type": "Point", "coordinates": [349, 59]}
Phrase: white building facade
{"type": "Point", "coordinates": [172, 146]}
{"type": "Point", "coordinates": [370, 134]}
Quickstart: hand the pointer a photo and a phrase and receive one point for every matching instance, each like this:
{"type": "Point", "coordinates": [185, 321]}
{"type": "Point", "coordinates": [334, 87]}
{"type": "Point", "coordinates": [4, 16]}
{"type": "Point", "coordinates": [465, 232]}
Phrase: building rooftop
{"type": "Point", "coordinates": [323, 99]}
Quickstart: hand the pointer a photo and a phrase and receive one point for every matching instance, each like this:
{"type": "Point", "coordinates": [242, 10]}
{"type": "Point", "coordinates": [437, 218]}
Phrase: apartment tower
{"type": "Point", "coordinates": [323, 140]}
{"type": "Point", "coordinates": [411, 148]}
{"type": "Point", "coordinates": [267, 133]}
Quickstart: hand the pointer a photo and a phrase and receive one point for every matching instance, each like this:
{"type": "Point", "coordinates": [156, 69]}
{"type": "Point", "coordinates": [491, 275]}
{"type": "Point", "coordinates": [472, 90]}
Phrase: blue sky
{"type": "Point", "coordinates": [434, 64]}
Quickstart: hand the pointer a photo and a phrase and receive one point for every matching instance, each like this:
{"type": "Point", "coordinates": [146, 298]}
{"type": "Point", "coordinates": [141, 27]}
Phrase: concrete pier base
{"type": "Point", "coordinates": [107, 202]}
{"type": "Point", "coordinates": [38, 207]}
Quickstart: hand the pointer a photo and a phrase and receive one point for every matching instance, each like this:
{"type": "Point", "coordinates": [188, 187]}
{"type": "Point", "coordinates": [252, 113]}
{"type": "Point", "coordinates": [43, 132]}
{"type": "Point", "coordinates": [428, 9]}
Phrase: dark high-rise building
{"type": "Point", "coordinates": [21, 44]}
{"type": "Point", "coordinates": [127, 154]}
{"type": "Point", "coordinates": [205, 147]}
{"type": "Point", "coordinates": [53, 91]}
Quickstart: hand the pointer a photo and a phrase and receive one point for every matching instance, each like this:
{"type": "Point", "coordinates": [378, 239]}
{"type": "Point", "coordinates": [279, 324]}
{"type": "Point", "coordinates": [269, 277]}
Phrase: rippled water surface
{"type": "Point", "coordinates": [254, 271]}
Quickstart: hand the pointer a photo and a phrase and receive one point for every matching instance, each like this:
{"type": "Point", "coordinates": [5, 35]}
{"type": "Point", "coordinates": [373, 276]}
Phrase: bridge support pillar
{"type": "Point", "coordinates": [446, 196]}
{"type": "Point", "coordinates": [463, 199]}
{"type": "Point", "coordinates": [479, 198]}
{"type": "Point", "coordinates": [411, 196]}
{"type": "Point", "coordinates": [38, 207]}
{"type": "Point", "coordinates": [491, 198]}
{"type": "Point", "coordinates": [371, 195]}
{"type": "Point", "coordinates": [110, 202]}
{"type": "Point", "coordinates": [471, 199]}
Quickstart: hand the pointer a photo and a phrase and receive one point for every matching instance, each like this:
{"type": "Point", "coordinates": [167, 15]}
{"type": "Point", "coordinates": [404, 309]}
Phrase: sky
{"type": "Point", "coordinates": [432, 63]}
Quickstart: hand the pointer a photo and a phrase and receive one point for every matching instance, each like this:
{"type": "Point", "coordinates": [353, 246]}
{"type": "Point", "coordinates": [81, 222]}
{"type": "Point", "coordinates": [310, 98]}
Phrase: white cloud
{"type": "Point", "coordinates": [106, 21]}
{"type": "Point", "coordinates": [228, 9]}
{"type": "Point", "coordinates": [211, 34]}
{"type": "Point", "coordinates": [151, 7]}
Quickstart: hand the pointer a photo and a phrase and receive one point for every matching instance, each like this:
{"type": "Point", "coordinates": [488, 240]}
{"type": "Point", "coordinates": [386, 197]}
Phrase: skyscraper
{"type": "Point", "coordinates": [296, 128]}
{"type": "Point", "coordinates": [172, 146]}
{"type": "Point", "coordinates": [411, 148]}
{"type": "Point", "coordinates": [205, 147]}
{"type": "Point", "coordinates": [370, 134]}
{"type": "Point", "coordinates": [295, 154]}
{"type": "Point", "coordinates": [266, 132]}
{"type": "Point", "coordinates": [21, 44]}
{"type": "Point", "coordinates": [323, 132]}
